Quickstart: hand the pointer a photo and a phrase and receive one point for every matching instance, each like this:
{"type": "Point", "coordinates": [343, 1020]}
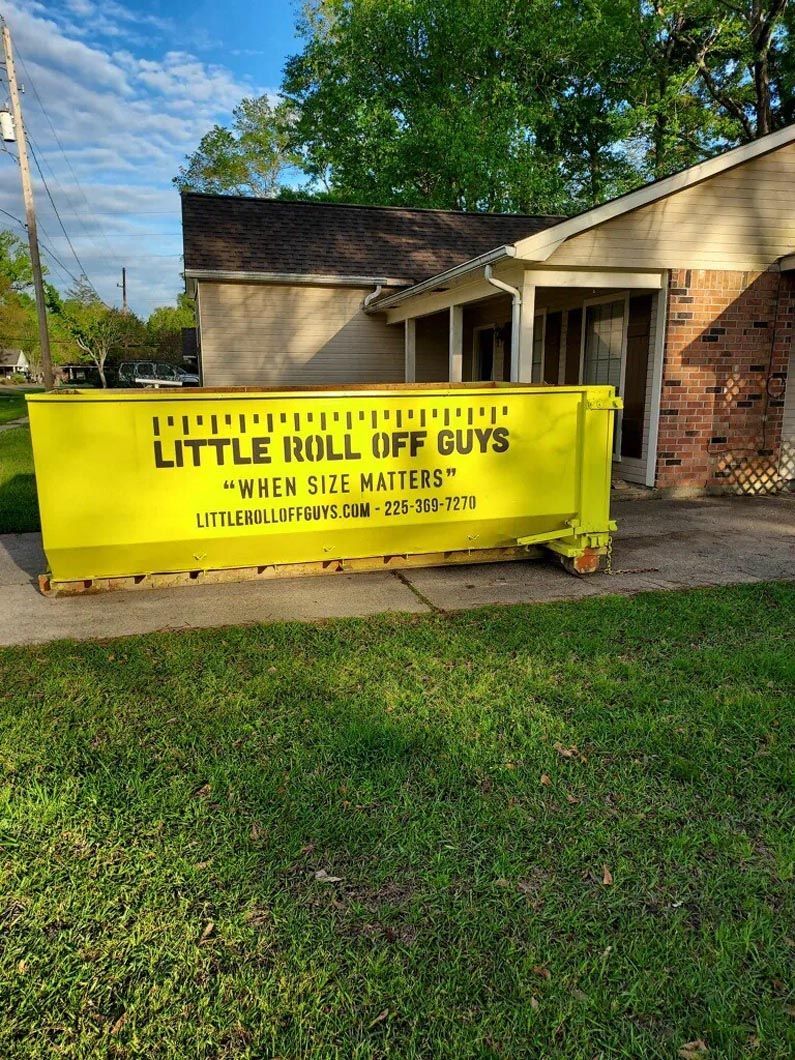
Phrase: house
{"type": "Point", "coordinates": [13, 362]}
{"type": "Point", "coordinates": [681, 294]}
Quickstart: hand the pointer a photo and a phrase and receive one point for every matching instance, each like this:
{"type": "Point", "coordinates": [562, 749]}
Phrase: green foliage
{"type": "Point", "coordinates": [164, 328]}
{"type": "Point", "coordinates": [15, 261]}
{"type": "Point", "coordinates": [13, 313]}
{"type": "Point", "coordinates": [518, 105]}
{"type": "Point", "coordinates": [100, 332]}
{"type": "Point", "coordinates": [171, 802]}
{"type": "Point", "coordinates": [247, 158]}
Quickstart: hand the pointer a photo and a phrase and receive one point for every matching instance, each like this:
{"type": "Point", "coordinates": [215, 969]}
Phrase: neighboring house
{"type": "Point", "coordinates": [13, 362]}
{"type": "Point", "coordinates": [681, 294]}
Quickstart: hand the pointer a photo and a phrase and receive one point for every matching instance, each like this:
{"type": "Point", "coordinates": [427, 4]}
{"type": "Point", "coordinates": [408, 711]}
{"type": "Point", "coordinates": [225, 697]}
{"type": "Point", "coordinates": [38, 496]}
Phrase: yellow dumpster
{"type": "Point", "coordinates": [144, 487]}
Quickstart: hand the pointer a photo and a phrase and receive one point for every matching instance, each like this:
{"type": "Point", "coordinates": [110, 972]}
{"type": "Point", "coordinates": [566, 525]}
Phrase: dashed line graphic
{"type": "Point", "coordinates": [324, 419]}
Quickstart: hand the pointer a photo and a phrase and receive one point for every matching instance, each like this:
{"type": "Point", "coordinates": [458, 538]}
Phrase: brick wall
{"type": "Point", "coordinates": [726, 353]}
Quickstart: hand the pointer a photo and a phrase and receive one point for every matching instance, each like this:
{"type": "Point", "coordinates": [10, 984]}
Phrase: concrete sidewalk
{"type": "Point", "coordinates": [12, 425]}
{"type": "Point", "coordinates": [661, 544]}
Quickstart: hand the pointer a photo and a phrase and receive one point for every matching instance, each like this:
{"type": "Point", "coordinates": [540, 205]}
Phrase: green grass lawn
{"type": "Point", "coordinates": [12, 404]}
{"type": "Point", "coordinates": [559, 830]}
{"type": "Point", "coordinates": [19, 506]}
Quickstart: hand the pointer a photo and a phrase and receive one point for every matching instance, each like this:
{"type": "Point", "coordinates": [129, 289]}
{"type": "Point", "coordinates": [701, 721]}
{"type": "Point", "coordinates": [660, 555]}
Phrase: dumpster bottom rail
{"type": "Point", "coordinates": [176, 579]}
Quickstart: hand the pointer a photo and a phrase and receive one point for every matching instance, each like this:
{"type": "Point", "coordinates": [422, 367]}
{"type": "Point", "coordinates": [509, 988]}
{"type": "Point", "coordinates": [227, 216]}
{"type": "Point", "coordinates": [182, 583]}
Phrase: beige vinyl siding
{"type": "Point", "coordinates": [280, 335]}
{"type": "Point", "coordinates": [741, 219]}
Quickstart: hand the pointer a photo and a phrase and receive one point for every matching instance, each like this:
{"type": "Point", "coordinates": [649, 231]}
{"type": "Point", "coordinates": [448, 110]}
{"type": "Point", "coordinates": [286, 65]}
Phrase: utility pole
{"type": "Point", "coordinates": [123, 286]}
{"type": "Point", "coordinates": [30, 211]}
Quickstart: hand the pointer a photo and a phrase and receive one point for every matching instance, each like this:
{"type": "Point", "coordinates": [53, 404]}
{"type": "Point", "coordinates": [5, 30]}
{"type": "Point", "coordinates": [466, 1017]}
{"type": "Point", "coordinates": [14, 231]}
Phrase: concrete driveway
{"type": "Point", "coordinates": [661, 544]}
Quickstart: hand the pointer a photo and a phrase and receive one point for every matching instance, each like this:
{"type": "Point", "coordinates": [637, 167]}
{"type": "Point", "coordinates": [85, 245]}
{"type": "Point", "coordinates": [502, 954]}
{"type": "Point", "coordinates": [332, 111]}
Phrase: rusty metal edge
{"type": "Point", "coordinates": [267, 572]}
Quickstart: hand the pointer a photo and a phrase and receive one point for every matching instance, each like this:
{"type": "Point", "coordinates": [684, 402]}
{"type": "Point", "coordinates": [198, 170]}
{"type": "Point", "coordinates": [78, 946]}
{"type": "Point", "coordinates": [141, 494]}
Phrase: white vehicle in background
{"type": "Point", "coordinates": [154, 374]}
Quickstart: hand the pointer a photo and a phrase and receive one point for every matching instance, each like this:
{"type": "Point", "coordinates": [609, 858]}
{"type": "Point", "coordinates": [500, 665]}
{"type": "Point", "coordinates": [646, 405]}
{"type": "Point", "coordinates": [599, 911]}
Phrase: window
{"type": "Point", "coordinates": [604, 338]}
{"type": "Point", "coordinates": [538, 348]}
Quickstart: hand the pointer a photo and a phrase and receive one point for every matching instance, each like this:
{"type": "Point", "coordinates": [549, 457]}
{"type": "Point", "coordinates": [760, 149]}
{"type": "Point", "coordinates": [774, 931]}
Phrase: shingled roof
{"type": "Point", "coordinates": [227, 233]}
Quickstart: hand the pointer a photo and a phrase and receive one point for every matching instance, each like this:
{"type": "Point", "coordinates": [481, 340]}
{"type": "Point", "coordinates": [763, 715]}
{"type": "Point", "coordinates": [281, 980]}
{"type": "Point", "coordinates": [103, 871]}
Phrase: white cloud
{"type": "Point", "coordinates": [125, 122]}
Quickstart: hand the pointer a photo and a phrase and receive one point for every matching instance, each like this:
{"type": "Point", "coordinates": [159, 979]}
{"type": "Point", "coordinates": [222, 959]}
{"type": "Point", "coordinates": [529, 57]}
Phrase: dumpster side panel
{"type": "Point", "coordinates": [144, 482]}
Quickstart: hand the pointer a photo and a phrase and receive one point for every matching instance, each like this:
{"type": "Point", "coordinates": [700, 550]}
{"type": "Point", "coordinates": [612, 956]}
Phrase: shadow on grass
{"type": "Point", "coordinates": [264, 839]}
{"type": "Point", "coordinates": [19, 506]}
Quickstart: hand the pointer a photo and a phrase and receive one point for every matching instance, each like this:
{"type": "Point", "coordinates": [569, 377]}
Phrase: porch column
{"type": "Point", "coordinates": [456, 361]}
{"type": "Point", "coordinates": [410, 348]}
{"type": "Point", "coordinates": [522, 358]}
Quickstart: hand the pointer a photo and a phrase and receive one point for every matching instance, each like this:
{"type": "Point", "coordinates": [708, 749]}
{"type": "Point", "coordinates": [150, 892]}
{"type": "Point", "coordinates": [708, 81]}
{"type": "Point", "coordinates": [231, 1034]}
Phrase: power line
{"type": "Point", "coordinates": [80, 265]}
{"type": "Point", "coordinates": [66, 159]}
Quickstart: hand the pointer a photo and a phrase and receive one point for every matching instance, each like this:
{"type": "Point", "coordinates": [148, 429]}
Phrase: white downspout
{"type": "Point", "coordinates": [516, 316]}
{"type": "Point", "coordinates": [371, 297]}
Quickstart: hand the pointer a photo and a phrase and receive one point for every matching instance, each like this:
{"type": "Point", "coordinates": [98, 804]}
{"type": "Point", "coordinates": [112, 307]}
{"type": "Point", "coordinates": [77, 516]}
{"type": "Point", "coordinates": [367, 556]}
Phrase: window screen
{"type": "Point", "coordinates": [604, 332]}
{"type": "Point", "coordinates": [538, 349]}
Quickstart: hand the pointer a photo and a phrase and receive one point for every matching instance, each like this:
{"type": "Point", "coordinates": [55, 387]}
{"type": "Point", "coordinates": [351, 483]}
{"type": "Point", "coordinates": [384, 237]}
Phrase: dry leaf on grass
{"type": "Point", "coordinates": [203, 791]}
{"type": "Point", "coordinates": [572, 800]}
{"type": "Point", "coordinates": [566, 752]}
{"type": "Point", "coordinates": [378, 1019]}
{"type": "Point", "coordinates": [534, 1004]}
{"type": "Point", "coordinates": [546, 780]}
{"type": "Point", "coordinates": [607, 876]}
{"type": "Point", "coordinates": [117, 1026]}
{"type": "Point", "coordinates": [209, 929]}
{"type": "Point", "coordinates": [323, 877]}
{"type": "Point", "coordinates": [258, 917]}
{"type": "Point", "coordinates": [693, 1049]}
{"type": "Point", "coordinates": [541, 971]}
{"type": "Point", "coordinates": [258, 832]}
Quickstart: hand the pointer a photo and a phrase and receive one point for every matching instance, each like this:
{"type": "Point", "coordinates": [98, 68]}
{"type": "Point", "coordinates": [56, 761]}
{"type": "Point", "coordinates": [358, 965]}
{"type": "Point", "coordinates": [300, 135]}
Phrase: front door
{"type": "Point", "coordinates": [633, 418]}
{"type": "Point", "coordinates": [492, 353]}
{"type": "Point", "coordinates": [484, 354]}
{"type": "Point", "coordinates": [603, 350]}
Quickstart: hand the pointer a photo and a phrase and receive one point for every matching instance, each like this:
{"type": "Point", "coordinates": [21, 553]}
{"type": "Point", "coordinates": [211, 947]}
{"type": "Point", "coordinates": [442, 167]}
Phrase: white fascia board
{"type": "Point", "coordinates": [441, 279]}
{"type": "Point", "coordinates": [331, 280]}
{"type": "Point", "coordinates": [632, 279]}
{"type": "Point", "coordinates": [540, 246]}
{"type": "Point", "coordinates": [787, 263]}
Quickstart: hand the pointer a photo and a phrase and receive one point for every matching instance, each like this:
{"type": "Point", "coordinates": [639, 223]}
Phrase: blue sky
{"type": "Point", "coordinates": [128, 88]}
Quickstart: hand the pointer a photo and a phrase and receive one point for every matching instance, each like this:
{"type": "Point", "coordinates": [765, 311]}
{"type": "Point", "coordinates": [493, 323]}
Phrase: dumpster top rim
{"type": "Point", "coordinates": [72, 395]}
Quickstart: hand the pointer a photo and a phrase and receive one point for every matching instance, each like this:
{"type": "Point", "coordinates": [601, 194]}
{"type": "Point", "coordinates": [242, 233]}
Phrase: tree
{"type": "Point", "coordinates": [247, 158]}
{"type": "Point", "coordinates": [19, 327]}
{"type": "Point", "coordinates": [15, 261]}
{"type": "Point", "coordinates": [100, 332]}
{"type": "Point", "coordinates": [13, 313]}
{"type": "Point", "coordinates": [739, 60]}
{"type": "Point", "coordinates": [511, 105]}
{"type": "Point", "coordinates": [165, 325]}
{"type": "Point", "coordinates": [428, 102]}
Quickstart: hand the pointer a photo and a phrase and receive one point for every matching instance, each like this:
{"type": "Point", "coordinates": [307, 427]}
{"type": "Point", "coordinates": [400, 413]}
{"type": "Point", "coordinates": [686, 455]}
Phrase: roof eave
{"type": "Point", "coordinates": [541, 245]}
{"type": "Point", "coordinates": [322, 279]}
{"type": "Point", "coordinates": [490, 257]}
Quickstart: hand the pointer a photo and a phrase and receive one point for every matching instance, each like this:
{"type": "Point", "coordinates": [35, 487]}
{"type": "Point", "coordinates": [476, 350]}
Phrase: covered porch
{"type": "Point", "coordinates": [550, 327]}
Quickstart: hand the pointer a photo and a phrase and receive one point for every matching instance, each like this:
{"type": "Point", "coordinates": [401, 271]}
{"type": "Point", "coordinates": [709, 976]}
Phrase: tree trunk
{"type": "Point", "coordinates": [762, 90]}
{"type": "Point", "coordinates": [101, 367]}
{"type": "Point", "coordinates": [762, 28]}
